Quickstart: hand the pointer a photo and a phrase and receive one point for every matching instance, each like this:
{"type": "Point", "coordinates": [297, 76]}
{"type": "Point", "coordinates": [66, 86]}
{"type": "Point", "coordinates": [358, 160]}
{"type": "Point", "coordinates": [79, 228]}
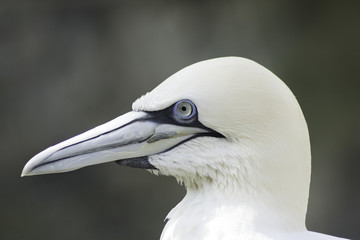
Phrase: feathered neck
{"type": "Point", "coordinates": [207, 212]}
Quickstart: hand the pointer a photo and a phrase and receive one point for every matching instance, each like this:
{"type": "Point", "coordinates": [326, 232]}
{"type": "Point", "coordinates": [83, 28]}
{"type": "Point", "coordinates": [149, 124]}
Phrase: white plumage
{"type": "Point", "coordinates": [239, 143]}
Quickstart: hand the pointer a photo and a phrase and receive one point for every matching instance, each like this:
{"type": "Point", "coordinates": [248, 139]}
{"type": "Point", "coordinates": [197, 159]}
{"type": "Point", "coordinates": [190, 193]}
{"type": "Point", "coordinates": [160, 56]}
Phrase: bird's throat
{"type": "Point", "coordinates": [205, 217]}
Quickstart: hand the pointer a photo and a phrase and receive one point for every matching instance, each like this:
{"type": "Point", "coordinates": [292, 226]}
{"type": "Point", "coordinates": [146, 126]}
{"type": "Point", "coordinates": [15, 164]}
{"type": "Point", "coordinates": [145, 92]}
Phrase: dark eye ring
{"type": "Point", "coordinates": [184, 110]}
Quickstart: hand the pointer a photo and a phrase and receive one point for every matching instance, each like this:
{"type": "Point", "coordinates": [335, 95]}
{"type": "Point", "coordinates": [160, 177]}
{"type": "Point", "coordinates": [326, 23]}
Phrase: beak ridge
{"type": "Point", "coordinates": [50, 153]}
{"type": "Point", "coordinates": [127, 139]}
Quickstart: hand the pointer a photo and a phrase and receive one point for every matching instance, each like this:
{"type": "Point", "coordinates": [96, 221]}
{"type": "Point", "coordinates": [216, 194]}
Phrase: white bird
{"type": "Point", "coordinates": [228, 129]}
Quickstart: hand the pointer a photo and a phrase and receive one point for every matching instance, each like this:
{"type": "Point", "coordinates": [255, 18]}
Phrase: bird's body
{"type": "Point", "coordinates": [231, 132]}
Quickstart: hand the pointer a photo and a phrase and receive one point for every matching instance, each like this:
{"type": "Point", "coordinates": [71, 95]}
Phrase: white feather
{"type": "Point", "coordinates": [255, 183]}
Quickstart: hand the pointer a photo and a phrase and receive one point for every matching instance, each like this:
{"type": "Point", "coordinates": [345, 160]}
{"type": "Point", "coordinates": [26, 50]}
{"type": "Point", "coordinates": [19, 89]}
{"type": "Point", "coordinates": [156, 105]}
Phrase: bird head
{"type": "Point", "coordinates": [225, 123]}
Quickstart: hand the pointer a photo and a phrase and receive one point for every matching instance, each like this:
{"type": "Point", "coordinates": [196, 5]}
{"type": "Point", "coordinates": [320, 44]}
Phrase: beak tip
{"type": "Point", "coordinates": [25, 172]}
{"type": "Point", "coordinates": [29, 168]}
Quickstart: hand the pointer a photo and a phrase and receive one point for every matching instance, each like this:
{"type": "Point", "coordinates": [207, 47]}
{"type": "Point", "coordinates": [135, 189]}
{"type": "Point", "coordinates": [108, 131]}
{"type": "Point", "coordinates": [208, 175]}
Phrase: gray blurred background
{"type": "Point", "coordinates": [67, 66]}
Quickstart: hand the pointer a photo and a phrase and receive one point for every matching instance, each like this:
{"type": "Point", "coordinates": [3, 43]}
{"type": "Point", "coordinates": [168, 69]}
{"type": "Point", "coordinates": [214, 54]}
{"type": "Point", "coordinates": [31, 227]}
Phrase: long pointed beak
{"type": "Point", "coordinates": [131, 138]}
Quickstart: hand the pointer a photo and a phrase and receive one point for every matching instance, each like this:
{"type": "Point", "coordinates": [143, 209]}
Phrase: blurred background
{"type": "Point", "coordinates": [68, 66]}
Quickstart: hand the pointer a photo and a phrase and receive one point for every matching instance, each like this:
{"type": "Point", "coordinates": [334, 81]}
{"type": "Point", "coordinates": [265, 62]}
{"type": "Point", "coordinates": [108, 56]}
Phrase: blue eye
{"type": "Point", "coordinates": [184, 110]}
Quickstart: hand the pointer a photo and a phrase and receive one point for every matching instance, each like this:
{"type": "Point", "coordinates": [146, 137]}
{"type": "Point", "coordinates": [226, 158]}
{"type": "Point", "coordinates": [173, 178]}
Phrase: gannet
{"type": "Point", "coordinates": [228, 129]}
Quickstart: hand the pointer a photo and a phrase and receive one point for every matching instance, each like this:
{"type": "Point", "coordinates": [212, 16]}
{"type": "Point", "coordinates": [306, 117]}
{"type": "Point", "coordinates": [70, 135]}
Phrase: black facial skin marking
{"type": "Point", "coordinates": [141, 162]}
{"type": "Point", "coordinates": [166, 116]}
